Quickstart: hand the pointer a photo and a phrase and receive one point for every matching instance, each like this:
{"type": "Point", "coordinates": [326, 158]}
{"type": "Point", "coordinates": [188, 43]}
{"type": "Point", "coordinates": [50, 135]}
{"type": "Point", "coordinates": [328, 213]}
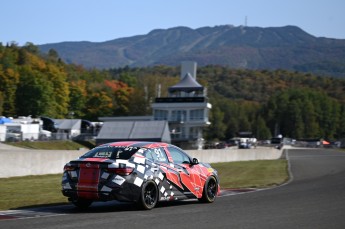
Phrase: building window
{"type": "Point", "coordinates": [196, 115]}
{"type": "Point", "coordinates": [195, 133]}
{"type": "Point", "coordinates": [178, 116]}
{"type": "Point", "coordinates": [160, 115]}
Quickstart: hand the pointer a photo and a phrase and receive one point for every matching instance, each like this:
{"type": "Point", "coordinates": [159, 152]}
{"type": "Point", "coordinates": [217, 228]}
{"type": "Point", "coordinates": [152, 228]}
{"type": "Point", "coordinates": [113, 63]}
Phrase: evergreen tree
{"type": "Point", "coordinates": [261, 130]}
{"type": "Point", "coordinates": [33, 94]}
{"type": "Point", "coordinates": [217, 129]}
{"type": "Point", "coordinates": [78, 98]}
{"type": "Point", "coordinates": [341, 127]}
{"type": "Point", "coordinates": [311, 126]}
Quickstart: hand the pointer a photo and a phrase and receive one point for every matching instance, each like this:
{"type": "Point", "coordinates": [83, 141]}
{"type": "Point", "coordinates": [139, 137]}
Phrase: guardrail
{"type": "Point", "coordinates": [22, 162]}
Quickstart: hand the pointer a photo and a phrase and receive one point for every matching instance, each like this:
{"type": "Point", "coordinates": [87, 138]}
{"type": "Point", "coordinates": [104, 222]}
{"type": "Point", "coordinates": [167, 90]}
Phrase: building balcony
{"type": "Point", "coordinates": [181, 100]}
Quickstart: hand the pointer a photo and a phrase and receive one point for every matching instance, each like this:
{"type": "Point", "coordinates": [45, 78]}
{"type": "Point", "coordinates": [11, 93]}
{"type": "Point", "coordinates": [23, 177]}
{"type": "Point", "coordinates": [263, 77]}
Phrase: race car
{"type": "Point", "coordinates": [140, 172]}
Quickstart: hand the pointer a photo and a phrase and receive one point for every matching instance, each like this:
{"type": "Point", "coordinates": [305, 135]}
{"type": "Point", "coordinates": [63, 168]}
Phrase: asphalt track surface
{"type": "Point", "coordinates": [313, 198]}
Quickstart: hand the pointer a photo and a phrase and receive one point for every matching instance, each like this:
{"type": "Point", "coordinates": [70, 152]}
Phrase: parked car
{"type": "Point", "coordinates": [245, 143]}
{"type": "Point", "coordinates": [45, 134]}
{"type": "Point", "coordinates": [140, 172]}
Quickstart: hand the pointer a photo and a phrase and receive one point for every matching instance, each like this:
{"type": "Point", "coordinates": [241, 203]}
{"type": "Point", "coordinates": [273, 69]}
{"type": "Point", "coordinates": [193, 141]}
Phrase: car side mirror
{"type": "Point", "coordinates": [195, 161]}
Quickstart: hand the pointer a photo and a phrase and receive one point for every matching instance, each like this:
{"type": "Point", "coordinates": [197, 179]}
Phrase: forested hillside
{"type": "Point", "coordinates": [287, 47]}
{"type": "Point", "coordinates": [266, 102]}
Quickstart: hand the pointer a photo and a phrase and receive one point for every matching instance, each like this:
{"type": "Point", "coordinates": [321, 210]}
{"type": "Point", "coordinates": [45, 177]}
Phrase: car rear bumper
{"type": "Point", "coordinates": [97, 196]}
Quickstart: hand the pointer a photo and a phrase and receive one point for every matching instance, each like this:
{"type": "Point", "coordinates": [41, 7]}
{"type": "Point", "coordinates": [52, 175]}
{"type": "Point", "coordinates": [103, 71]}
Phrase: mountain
{"type": "Point", "coordinates": [287, 47]}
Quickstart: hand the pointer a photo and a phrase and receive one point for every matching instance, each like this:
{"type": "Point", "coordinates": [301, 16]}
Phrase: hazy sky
{"type": "Point", "coordinates": [51, 21]}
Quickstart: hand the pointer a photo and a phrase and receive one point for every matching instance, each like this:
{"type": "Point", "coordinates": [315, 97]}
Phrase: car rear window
{"type": "Point", "coordinates": [111, 152]}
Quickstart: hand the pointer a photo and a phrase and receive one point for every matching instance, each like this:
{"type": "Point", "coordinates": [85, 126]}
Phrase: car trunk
{"type": "Point", "coordinates": [88, 177]}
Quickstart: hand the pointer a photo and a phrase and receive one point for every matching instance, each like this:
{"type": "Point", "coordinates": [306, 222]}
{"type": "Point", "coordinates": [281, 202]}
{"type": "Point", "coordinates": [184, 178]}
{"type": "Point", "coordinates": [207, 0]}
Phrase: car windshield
{"type": "Point", "coordinates": [111, 152]}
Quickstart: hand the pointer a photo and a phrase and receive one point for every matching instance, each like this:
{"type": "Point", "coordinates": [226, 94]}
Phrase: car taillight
{"type": "Point", "coordinates": [121, 171]}
{"type": "Point", "coordinates": [69, 168]}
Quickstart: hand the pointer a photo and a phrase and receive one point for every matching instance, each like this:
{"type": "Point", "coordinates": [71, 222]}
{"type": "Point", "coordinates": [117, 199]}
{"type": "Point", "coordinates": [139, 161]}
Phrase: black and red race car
{"type": "Point", "coordinates": [141, 172]}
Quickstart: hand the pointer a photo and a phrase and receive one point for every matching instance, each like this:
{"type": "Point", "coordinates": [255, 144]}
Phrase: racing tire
{"type": "Point", "coordinates": [210, 191]}
{"type": "Point", "coordinates": [82, 203]}
{"type": "Point", "coordinates": [149, 195]}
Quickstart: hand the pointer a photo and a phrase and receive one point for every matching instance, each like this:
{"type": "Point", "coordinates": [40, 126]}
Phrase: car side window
{"type": "Point", "coordinates": [178, 156]}
{"type": "Point", "coordinates": [156, 155]}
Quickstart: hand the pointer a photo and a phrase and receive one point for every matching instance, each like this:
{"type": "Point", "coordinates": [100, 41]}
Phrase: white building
{"type": "Point", "coordinates": [186, 109]}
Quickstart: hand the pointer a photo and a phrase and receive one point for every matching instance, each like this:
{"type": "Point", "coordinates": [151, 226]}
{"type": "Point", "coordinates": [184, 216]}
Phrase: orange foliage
{"type": "Point", "coordinates": [116, 85]}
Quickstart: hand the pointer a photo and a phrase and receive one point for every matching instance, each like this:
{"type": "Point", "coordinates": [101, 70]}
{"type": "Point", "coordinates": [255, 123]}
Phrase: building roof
{"type": "Point", "coordinates": [187, 84]}
{"type": "Point", "coordinates": [134, 131]}
{"type": "Point", "coordinates": [126, 118]}
{"type": "Point", "coordinates": [68, 124]}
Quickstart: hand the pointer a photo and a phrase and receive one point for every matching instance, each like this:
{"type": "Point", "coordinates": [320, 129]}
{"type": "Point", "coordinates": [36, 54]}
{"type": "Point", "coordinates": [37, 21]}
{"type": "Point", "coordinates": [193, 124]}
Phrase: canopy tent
{"type": "Point", "coordinates": [4, 120]}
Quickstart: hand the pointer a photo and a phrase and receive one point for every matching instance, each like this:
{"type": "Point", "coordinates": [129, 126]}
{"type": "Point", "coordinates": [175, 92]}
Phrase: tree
{"type": "Point", "coordinates": [99, 104]}
{"type": "Point", "coordinates": [1, 103]}
{"type": "Point", "coordinates": [53, 55]}
{"type": "Point", "coordinates": [120, 93]}
{"type": "Point", "coordinates": [309, 116]}
{"type": "Point", "coordinates": [128, 79]}
{"type": "Point", "coordinates": [217, 128]}
{"type": "Point", "coordinates": [261, 130]}
{"type": "Point", "coordinates": [9, 79]}
{"type": "Point", "coordinates": [33, 94]}
{"type": "Point", "coordinates": [30, 47]}
{"type": "Point", "coordinates": [138, 104]}
{"type": "Point", "coordinates": [301, 113]}
{"type": "Point", "coordinates": [60, 100]}
{"type": "Point", "coordinates": [77, 98]}
{"type": "Point", "coordinates": [293, 125]}
{"type": "Point", "coordinates": [341, 127]}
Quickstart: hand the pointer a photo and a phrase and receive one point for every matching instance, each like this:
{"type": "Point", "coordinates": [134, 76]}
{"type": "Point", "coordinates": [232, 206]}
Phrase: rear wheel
{"type": "Point", "coordinates": [210, 190]}
{"type": "Point", "coordinates": [82, 203]}
{"type": "Point", "coordinates": [149, 195]}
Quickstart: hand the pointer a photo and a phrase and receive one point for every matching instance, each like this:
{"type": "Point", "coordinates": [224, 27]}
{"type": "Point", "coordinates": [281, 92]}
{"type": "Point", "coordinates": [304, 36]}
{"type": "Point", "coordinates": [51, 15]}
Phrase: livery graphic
{"type": "Point", "coordinates": [141, 172]}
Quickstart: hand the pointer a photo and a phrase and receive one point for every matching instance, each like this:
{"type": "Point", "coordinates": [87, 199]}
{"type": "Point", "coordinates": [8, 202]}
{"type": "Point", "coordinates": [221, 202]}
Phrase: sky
{"type": "Point", "coordinates": [53, 21]}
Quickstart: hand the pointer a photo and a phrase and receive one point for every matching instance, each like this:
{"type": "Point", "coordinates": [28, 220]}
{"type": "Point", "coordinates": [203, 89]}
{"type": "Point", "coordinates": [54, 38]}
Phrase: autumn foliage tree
{"type": "Point", "coordinates": [120, 93]}
{"type": "Point", "coordinates": [267, 103]}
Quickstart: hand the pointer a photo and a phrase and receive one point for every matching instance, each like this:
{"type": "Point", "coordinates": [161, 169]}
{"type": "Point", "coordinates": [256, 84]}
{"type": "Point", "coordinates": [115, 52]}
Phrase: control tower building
{"type": "Point", "coordinates": [186, 109]}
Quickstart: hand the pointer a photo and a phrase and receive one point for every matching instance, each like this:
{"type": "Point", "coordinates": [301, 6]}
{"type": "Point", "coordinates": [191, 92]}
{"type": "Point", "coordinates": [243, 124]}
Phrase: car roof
{"type": "Point", "coordinates": [141, 144]}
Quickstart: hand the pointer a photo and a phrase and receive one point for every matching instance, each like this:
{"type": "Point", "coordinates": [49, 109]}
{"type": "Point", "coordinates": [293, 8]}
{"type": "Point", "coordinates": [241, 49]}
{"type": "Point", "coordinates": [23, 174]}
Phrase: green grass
{"type": "Point", "coordinates": [252, 174]}
{"type": "Point", "coordinates": [18, 192]}
{"type": "Point", "coordinates": [52, 145]}
{"type": "Point", "coordinates": [26, 191]}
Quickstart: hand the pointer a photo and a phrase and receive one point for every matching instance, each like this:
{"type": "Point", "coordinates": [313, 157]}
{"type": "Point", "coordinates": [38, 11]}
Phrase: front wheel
{"type": "Point", "coordinates": [210, 190]}
{"type": "Point", "coordinates": [149, 195]}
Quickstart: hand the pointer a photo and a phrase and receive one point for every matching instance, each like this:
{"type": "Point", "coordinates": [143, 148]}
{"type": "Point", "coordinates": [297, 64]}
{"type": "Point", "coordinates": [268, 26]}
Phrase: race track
{"type": "Point", "coordinates": [313, 198]}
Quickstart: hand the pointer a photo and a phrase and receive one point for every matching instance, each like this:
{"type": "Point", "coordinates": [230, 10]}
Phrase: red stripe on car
{"type": "Point", "coordinates": [89, 175]}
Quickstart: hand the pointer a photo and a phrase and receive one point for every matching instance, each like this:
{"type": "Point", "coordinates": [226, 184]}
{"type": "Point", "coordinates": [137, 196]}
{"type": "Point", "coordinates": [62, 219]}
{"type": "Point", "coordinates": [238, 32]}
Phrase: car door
{"type": "Point", "coordinates": [171, 186]}
{"type": "Point", "coordinates": [190, 176]}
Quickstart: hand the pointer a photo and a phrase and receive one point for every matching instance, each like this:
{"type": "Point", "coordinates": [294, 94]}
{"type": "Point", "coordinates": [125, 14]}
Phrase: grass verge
{"type": "Point", "coordinates": [26, 191]}
{"type": "Point", "coordinates": [252, 174]}
{"type": "Point", "coordinates": [53, 145]}
{"type": "Point", "coordinates": [18, 192]}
